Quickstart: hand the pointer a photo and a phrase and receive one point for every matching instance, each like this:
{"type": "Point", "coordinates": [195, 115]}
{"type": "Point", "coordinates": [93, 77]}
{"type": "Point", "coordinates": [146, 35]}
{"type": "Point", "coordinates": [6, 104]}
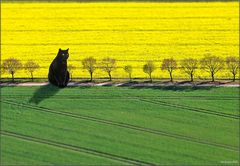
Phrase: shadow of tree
{"type": "Point", "coordinates": [211, 83]}
{"type": "Point", "coordinates": [44, 92]}
{"type": "Point", "coordinates": [175, 88]}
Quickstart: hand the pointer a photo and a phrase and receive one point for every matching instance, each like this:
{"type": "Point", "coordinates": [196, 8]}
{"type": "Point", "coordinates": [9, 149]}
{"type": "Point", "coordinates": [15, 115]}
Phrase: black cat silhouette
{"type": "Point", "coordinates": [58, 74]}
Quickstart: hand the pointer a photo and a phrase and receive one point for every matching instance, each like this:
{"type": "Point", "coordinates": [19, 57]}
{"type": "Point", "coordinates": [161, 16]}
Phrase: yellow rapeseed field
{"type": "Point", "coordinates": [133, 33]}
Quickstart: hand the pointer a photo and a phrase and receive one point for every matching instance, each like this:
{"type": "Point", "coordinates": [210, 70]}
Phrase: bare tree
{"type": "Point", "coordinates": [70, 70]}
{"type": "Point", "coordinates": [108, 65]}
{"type": "Point", "coordinates": [11, 66]}
{"type": "Point", "coordinates": [149, 68]}
{"type": "Point", "coordinates": [169, 65]}
{"type": "Point", "coordinates": [30, 66]}
{"type": "Point", "coordinates": [189, 66]}
{"type": "Point", "coordinates": [128, 69]}
{"type": "Point", "coordinates": [233, 65]}
{"type": "Point", "coordinates": [90, 65]}
{"type": "Point", "coordinates": [212, 64]}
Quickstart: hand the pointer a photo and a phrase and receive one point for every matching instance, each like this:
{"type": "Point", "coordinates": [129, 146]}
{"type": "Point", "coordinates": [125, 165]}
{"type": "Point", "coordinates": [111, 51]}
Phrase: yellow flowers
{"type": "Point", "coordinates": [132, 33]}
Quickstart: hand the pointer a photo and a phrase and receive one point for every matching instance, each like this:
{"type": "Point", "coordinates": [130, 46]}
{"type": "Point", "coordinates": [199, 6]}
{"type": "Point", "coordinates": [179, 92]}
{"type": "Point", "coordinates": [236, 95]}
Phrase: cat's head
{"type": "Point", "coordinates": [63, 54]}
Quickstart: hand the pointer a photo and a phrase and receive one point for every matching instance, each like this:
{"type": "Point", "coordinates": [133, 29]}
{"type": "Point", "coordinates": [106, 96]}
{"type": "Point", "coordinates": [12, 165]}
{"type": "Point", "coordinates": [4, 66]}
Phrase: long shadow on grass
{"type": "Point", "coordinates": [48, 91]}
{"type": "Point", "coordinates": [44, 92]}
{"type": "Point", "coordinates": [175, 88]}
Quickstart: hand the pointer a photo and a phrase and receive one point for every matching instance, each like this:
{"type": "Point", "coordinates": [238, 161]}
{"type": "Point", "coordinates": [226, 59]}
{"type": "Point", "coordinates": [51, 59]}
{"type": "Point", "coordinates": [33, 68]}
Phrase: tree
{"type": "Point", "coordinates": [31, 66]}
{"type": "Point", "coordinates": [189, 66]}
{"type": "Point", "coordinates": [233, 65]}
{"type": "Point", "coordinates": [212, 64]}
{"type": "Point", "coordinates": [128, 69]}
{"type": "Point", "coordinates": [70, 70]}
{"type": "Point", "coordinates": [108, 65]}
{"type": "Point", "coordinates": [169, 65]}
{"type": "Point", "coordinates": [11, 66]}
{"type": "Point", "coordinates": [90, 65]}
{"type": "Point", "coordinates": [149, 68]}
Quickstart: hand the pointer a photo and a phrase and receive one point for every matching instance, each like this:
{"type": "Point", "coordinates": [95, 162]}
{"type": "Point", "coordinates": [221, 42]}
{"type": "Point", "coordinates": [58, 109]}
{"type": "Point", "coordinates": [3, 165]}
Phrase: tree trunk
{"type": "Point", "coordinates": [32, 76]}
{"type": "Point", "coordinates": [130, 77]}
{"type": "Point", "coordinates": [91, 76]}
{"type": "Point", "coordinates": [171, 79]}
{"type": "Point", "coordinates": [150, 75]}
{"type": "Point", "coordinates": [212, 74]}
{"type": "Point", "coordinates": [110, 77]}
{"type": "Point", "coordinates": [191, 77]}
{"type": "Point", "coordinates": [12, 73]}
{"type": "Point", "coordinates": [234, 77]}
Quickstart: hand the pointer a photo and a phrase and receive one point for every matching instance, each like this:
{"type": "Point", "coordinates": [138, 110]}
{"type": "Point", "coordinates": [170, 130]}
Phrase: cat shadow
{"type": "Point", "coordinates": [42, 93]}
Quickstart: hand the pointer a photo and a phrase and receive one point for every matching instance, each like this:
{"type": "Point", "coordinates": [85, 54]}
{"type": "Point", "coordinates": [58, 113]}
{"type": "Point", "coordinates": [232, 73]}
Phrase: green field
{"type": "Point", "coordinates": [120, 125]}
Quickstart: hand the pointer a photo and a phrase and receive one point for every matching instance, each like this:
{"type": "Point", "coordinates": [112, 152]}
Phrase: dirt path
{"type": "Point", "coordinates": [74, 84]}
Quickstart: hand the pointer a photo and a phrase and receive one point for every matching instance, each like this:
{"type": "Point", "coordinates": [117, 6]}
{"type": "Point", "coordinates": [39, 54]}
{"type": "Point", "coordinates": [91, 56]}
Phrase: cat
{"type": "Point", "coordinates": [58, 74]}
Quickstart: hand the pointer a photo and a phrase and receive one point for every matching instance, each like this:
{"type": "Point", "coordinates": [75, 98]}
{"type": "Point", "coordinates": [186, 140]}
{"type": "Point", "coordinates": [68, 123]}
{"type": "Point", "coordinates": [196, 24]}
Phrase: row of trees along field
{"type": "Point", "coordinates": [211, 64]}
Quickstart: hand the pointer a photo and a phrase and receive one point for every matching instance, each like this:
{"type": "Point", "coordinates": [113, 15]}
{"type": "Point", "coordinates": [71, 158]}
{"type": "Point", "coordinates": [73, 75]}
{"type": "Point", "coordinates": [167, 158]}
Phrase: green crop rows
{"type": "Point", "coordinates": [119, 125]}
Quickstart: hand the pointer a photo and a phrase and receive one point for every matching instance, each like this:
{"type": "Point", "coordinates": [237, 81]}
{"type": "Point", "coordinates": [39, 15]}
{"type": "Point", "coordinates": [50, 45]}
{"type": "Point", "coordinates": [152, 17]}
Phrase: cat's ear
{"type": "Point", "coordinates": [67, 49]}
{"type": "Point", "coordinates": [60, 49]}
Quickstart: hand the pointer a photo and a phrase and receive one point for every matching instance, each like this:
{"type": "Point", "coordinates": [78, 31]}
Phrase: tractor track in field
{"type": "Point", "coordinates": [123, 125]}
{"type": "Point", "coordinates": [193, 109]}
{"type": "Point", "coordinates": [76, 148]}
{"type": "Point", "coordinates": [163, 103]}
